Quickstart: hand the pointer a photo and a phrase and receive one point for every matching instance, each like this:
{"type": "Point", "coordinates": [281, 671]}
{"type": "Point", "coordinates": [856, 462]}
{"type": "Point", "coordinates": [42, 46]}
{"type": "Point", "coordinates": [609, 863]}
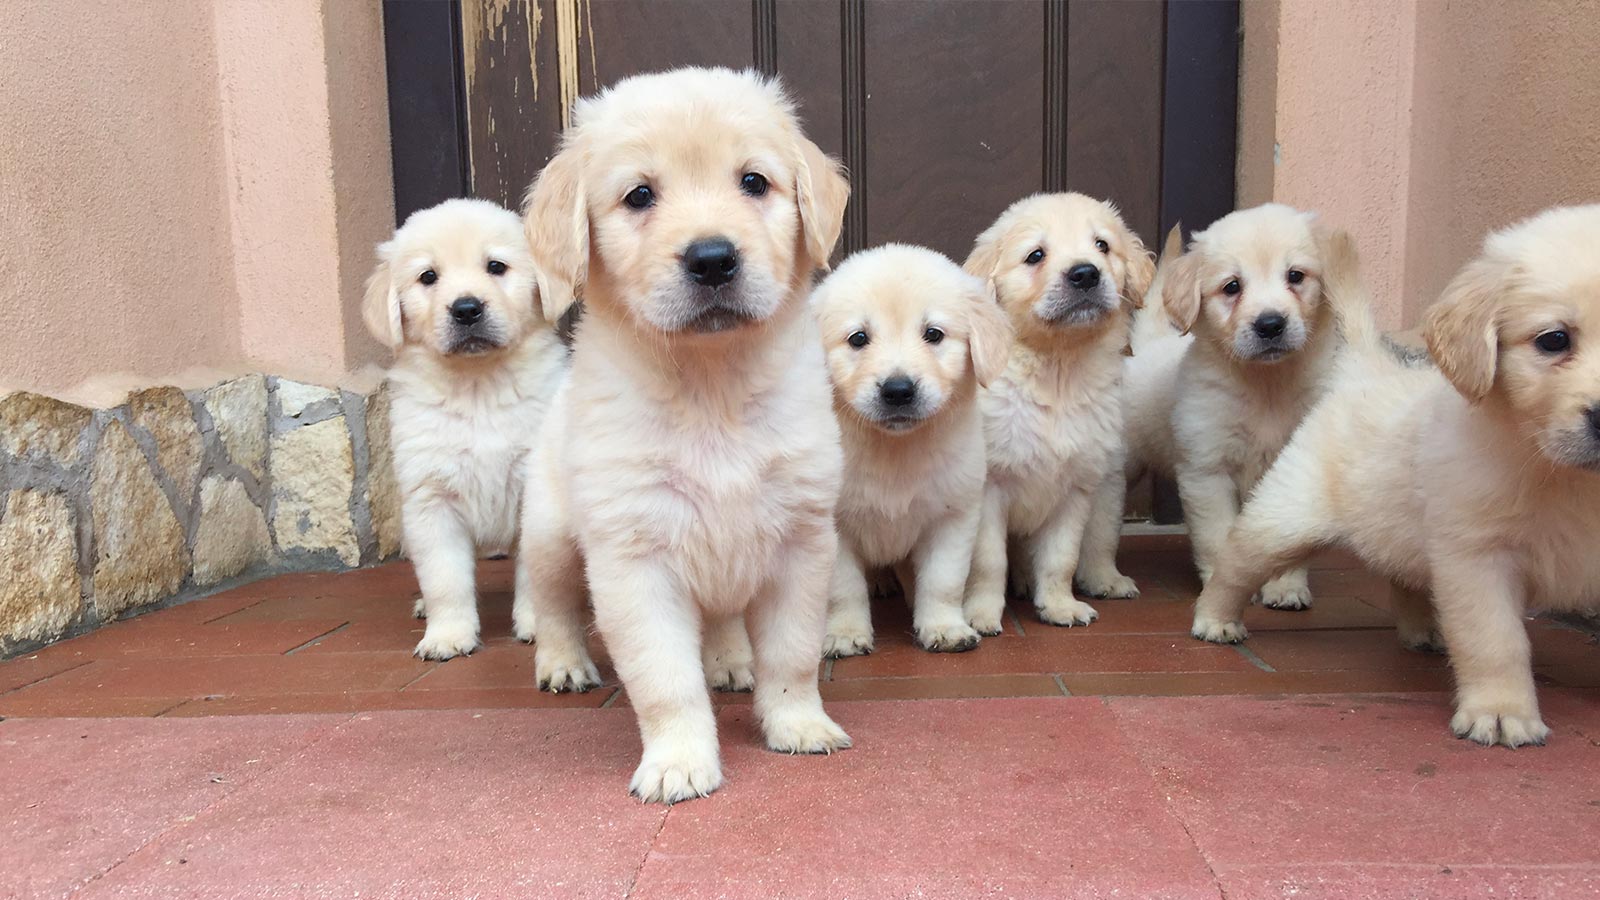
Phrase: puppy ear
{"type": "Point", "coordinates": [822, 192]}
{"type": "Point", "coordinates": [984, 260]}
{"type": "Point", "coordinates": [1180, 291]}
{"type": "Point", "coordinates": [989, 341]}
{"type": "Point", "coordinates": [1141, 271]}
{"type": "Point", "coordinates": [1462, 330]}
{"type": "Point", "coordinates": [555, 216]}
{"type": "Point", "coordinates": [380, 309]}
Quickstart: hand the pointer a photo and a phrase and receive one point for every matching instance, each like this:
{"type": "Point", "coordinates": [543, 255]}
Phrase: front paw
{"type": "Point", "coordinates": [1509, 725]}
{"type": "Point", "coordinates": [559, 672]}
{"type": "Point", "coordinates": [419, 610]}
{"type": "Point", "coordinates": [984, 615]}
{"type": "Point", "coordinates": [953, 637]}
{"type": "Point", "coordinates": [1113, 586]}
{"type": "Point", "coordinates": [1218, 632]}
{"type": "Point", "coordinates": [805, 732]}
{"type": "Point", "coordinates": [734, 677]}
{"type": "Point", "coordinates": [1286, 594]}
{"type": "Point", "coordinates": [846, 640]}
{"type": "Point", "coordinates": [1421, 639]}
{"type": "Point", "coordinates": [445, 640]}
{"type": "Point", "coordinates": [672, 775]}
{"type": "Point", "coordinates": [1066, 612]}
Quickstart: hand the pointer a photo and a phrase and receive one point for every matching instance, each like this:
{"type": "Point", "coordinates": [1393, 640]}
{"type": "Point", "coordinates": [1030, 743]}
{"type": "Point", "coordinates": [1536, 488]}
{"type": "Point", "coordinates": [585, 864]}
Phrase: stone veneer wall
{"type": "Point", "coordinates": [175, 494]}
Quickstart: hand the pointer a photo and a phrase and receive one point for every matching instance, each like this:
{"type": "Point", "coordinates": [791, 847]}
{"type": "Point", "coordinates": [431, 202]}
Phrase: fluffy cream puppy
{"type": "Point", "coordinates": [691, 464]}
{"type": "Point", "coordinates": [1149, 392]}
{"type": "Point", "coordinates": [909, 337]}
{"type": "Point", "coordinates": [475, 367]}
{"type": "Point", "coordinates": [1478, 480]}
{"type": "Point", "coordinates": [1250, 288]}
{"type": "Point", "coordinates": [1066, 271]}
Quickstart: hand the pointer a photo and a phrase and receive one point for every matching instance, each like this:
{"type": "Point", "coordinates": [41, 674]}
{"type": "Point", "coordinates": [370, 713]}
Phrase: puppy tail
{"type": "Point", "coordinates": [1346, 293]}
{"type": "Point", "coordinates": [1151, 320]}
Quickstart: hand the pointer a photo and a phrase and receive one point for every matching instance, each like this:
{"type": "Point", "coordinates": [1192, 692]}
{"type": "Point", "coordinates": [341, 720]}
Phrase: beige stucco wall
{"type": "Point", "coordinates": [189, 188]}
{"type": "Point", "coordinates": [1419, 124]}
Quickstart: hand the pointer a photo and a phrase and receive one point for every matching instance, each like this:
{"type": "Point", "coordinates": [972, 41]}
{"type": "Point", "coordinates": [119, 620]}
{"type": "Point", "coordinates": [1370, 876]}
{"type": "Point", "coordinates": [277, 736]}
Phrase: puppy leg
{"type": "Point", "coordinates": [441, 549]}
{"type": "Point", "coordinates": [1097, 574]}
{"type": "Point", "coordinates": [727, 657]}
{"type": "Point", "coordinates": [849, 628]}
{"type": "Point", "coordinates": [1413, 613]}
{"type": "Point", "coordinates": [1479, 600]}
{"type": "Point", "coordinates": [1291, 590]}
{"type": "Point", "coordinates": [550, 568]}
{"type": "Point", "coordinates": [1210, 503]}
{"type": "Point", "coordinates": [652, 630]}
{"type": "Point", "coordinates": [940, 562]}
{"type": "Point", "coordinates": [522, 617]}
{"type": "Point", "coordinates": [1286, 519]}
{"type": "Point", "coordinates": [786, 625]}
{"type": "Point", "coordinates": [985, 603]}
{"type": "Point", "coordinates": [1055, 559]}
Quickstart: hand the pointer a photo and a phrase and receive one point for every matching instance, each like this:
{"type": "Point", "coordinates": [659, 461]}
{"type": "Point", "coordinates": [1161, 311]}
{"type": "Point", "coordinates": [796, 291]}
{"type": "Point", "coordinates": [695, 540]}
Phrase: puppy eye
{"type": "Point", "coordinates": [1102, 246]}
{"type": "Point", "coordinates": [496, 267]}
{"type": "Point", "coordinates": [428, 277]}
{"type": "Point", "coordinates": [1296, 276]}
{"type": "Point", "coordinates": [640, 197]}
{"type": "Point", "coordinates": [857, 340]}
{"type": "Point", "coordinates": [933, 335]}
{"type": "Point", "coordinates": [1557, 341]}
{"type": "Point", "coordinates": [753, 184]}
{"type": "Point", "coordinates": [1036, 257]}
{"type": "Point", "coordinates": [1232, 288]}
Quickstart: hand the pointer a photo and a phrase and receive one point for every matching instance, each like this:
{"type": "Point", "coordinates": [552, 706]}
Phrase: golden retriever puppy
{"type": "Point", "coordinates": [1066, 271]}
{"type": "Point", "coordinates": [1250, 289]}
{"type": "Point", "coordinates": [909, 338]}
{"type": "Point", "coordinates": [1478, 480]}
{"type": "Point", "coordinates": [1149, 392]}
{"type": "Point", "coordinates": [691, 464]}
{"type": "Point", "coordinates": [475, 367]}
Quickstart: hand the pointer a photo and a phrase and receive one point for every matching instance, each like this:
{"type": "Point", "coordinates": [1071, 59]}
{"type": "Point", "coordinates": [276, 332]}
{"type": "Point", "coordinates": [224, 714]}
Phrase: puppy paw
{"type": "Point", "coordinates": [671, 776]}
{"type": "Point", "coordinates": [1113, 586]}
{"type": "Point", "coordinates": [564, 672]}
{"type": "Point", "coordinates": [1066, 612]}
{"type": "Point", "coordinates": [955, 637]}
{"type": "Point", "coordinates": [1287, 596]}
{"type": "Point", "coordinates": [1506, 726]}
{"type": "Point", "coordinates": [735, 678]}
{"type": "Point", "coordinates": [444, 640]}
{"type": "Point", "coordinates": [985, 615]}
{"type": "Point", "coordinates": [1217, 632]}
{"type": "Point", "coordinates": [843, 641]}
{"type": "Point", "coordinates": [419, 610]}
{"type": "Point", "coordinates": [1422, 640]}
{"type": "Point", "coordinates": [804, 732]}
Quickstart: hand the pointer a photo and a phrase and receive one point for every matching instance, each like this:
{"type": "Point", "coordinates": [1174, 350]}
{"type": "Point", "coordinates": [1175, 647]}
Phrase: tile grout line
{"type": "Point", "coordinates": [47, 677]}
{"type": "Point", "coordinates": [1061, 684]}
{"type": "Point", "coordinates": [1016, 621]}
{"type": "Point", "coordinates": [634, 881]}
{"type": "Point", "coordinates": [1253, 658]}
{"type": "Point", "coordinates": [611, 699]}
{"type": "Point", "coordinates": [317, 640]}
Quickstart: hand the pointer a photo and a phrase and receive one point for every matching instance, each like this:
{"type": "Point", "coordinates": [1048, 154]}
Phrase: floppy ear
{"type": "Point", "coordinates": [1463, 332]}
{"type": "Point", "coordinates": [1180, 291]}
{"type": "Point", "coordinates": [1141, 271]}
{"type": "Point", "coordinates": [380, 309]}
{"type": "Point", "coordinates": [989, 341]}
{"type": "Point", "coordinates": [984, 260]}
{"type": "Point", "coordinates": [556, 219]}
{"type": "Point", "coordinates": [822, 191]}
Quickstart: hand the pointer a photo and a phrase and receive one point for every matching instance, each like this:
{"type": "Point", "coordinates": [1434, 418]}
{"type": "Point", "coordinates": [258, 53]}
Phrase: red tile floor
{"type": "Point", "coordinates": [279, 739]}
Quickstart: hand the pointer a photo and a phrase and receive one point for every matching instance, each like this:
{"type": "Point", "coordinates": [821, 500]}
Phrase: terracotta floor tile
{"type": "Point", "coordinates": [1079, 651]}
{"type": "Point", "coordinates": [953, 688]}
{"type": "Point", "coordinates": [1376, 649]}
{"type": "Point", "coordinates": [22, 705]}
{"type": "Point", "coordinates": [156, 637]}
{"type": "Point", "coordinates": [31, 667]}
{"type": "Point", "coordinates": [202, 610]}
{"type": "Point", "coordinates": [1257, 682]}
{"type": "Point", "coordinates": [395, 634]}
{"type": "Point", "coordinates": [374, 701]}
{"type": "Point", "coordinates": [345, 608]}
{"type": "Point", "coordinates": [194, 677]}
{"type": "Point", "coordinates": [502, 663]}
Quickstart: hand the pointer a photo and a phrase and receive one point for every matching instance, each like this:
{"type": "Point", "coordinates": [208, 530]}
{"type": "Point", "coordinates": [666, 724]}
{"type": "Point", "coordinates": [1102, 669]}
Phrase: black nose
{"type": "Point", "coordinates": [1083, 275]}
{"type": "Point", "coordinates": [1271, 325]}
{"type": "Point", "coordinates": [711, 262]}
{"type": "Point", "coordinates": [466, 310]}
{"type": "Point", "coordinates": [898, 391]}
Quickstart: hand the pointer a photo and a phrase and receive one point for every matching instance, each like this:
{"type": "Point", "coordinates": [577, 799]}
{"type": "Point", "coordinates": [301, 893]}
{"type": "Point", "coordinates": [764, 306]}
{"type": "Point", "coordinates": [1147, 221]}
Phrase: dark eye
{"type": "Point", "coordinates": [1296, 276]}
{"type": "Point", "coordinates": [753, 184]}
{"type": "Point", "coordinates": [496, 267]}
{"type": "Point", "coordinates": [428, 277]}
{"type": "Point", "coordinates": [1232, 288]}
{"type": "Point", "coordinates": [1036, 257]}
{"type": "Point", "coordinates": [933, 335]}
{"type": "Point", "coordinates": [1556, 341]}
{"type": "Point", "coordinates": [857, 340]}
{"type": "Point", "coordinates": [640, 197]}
{"type": "Point", "coordinates": [1102, 246]}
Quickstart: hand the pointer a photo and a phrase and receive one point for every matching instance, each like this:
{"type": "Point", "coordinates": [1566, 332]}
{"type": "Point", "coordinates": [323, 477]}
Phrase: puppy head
{"type": "Point", "coordinates": [687, 202]}
{"type": "Point", "coordinates": [1521, 324]}
{"type": "Point", "coordinates": [1062, 262]}
{"type": "Point", "coordinates": [1251, 283]}
{"type": "Point", "coordinates": [906, 330]}
{"type": "Point", "coordinates": [456, 279]}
